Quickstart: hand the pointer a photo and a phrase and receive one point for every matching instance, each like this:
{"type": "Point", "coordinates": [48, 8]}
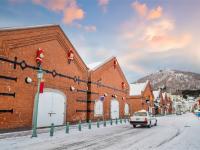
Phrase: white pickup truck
{"type": "Point", "coordinates": [143, 118]}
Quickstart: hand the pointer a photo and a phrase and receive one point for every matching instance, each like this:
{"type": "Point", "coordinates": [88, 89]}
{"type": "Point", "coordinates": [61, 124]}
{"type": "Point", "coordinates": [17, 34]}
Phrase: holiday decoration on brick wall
{"type": "Point", "coordinates": [41, 86]}
{"type": "Point", "coordinates": [72, 88]}
{"type": "Point", "coordinates": [28, 80]}
{"type": "Point", "coordinates": [70, 56]}
{"type": "Point", "coordinates": [123, 85]}
{"type": "Point", "coordinates": [115, 64]}
{"type": "Point", "coordinates": [102, 98]}
{"type": "Point", "coordinates": [105, 94]}
{"type": "Point", "coordinates": [114, 96]}
{"type": "Point", "coordinates": [39, 56]}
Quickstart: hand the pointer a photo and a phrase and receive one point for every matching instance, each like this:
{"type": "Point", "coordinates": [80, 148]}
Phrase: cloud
{"type": "Point", "coordinates": [70, 9]}
{"type": "Point", "coordinates": [103, 4]}
{"type": "Point", "coordinates": [148, 36]}
{"type": "Point", "coordinates": [143, 11]}
{"type": "Point", "coordinates": [129, 61]}
{"type": "Point", "coordinates": [155, 13]}
{"type": "Point", "coordinates": [160, 36]}
{"type": "Point", "coordinates": [87, 28]}
{"type": "Point", "coordinates": [72, 13]}
{"type": "Point", "coordinates": [153, 35]}
{"type": "Point", "coordinates": [90, 28]}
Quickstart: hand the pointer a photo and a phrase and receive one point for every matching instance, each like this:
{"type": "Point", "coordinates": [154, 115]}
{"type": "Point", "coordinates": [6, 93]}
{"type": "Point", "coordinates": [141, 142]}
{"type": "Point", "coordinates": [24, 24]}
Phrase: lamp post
{"type": "Point", "coordinates": [36, 100]}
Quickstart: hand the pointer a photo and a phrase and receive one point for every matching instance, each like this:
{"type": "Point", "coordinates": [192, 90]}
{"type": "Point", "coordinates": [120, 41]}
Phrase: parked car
{"type": "Point", "coordinates": [143, 118]}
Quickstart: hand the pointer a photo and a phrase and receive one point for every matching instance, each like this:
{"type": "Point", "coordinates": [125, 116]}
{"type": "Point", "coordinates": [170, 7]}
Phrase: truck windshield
{"type": "Point", "coordinates": [140, 114]}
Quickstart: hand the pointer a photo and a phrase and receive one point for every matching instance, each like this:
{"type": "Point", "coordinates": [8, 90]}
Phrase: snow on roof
{"type": "Point", "coordinates": [95, 65]}
{"type": "Point", "coordinates": [156, 94]}
{"type": "Point", "coordinates": [27, 27]}
{"type": "Point", "coordinates": [137, 88]}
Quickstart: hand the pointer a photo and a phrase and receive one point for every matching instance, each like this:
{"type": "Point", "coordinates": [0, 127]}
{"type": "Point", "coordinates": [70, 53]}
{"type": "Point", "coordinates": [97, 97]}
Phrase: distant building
{"type": "Point", "coordinates": [141, 97]}
{"type": "Point", "coordinates": [109, 90]}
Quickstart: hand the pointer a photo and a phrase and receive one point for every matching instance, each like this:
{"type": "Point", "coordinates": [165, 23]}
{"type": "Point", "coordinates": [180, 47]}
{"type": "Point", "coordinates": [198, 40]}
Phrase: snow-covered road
{"type": "Point", "coordinates": [172, 133]}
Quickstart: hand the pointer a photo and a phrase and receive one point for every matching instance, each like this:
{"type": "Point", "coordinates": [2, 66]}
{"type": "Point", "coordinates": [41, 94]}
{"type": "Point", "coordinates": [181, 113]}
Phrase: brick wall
{"type": "Point", "coordinates": [139, 102]}
{"type": "Point", "coordinates": [112, 77]}
{"type": "Point", "coordinates": [23, 44]}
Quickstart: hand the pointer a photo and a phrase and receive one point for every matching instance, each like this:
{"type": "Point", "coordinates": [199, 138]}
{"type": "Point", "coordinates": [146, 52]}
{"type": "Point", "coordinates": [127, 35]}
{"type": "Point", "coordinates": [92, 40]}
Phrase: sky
{"type": "Point", "coordinates": [144, 35]}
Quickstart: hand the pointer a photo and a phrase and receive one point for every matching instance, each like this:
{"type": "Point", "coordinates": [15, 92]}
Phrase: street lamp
{"type": "Point", "coordinates": [36, 100]}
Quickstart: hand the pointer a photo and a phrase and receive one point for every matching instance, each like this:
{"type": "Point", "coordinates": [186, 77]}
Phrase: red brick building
{"type": "Point", "coordinates": [141, 97]}
{"type": "Point", "coordinates": [162, 104]}
{"type": "Point", "coordinates": [166, 104]}
{"type": "Point", "coordinates": [109, 89]}
{"type": "Point", "coordinates": [65, 78]}
{"type": "Point", "coordinates": [169, 105]}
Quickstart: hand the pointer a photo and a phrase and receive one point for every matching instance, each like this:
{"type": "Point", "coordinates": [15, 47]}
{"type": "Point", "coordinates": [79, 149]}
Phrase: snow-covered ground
{"type": "Point", "coordinates": [172, 133]}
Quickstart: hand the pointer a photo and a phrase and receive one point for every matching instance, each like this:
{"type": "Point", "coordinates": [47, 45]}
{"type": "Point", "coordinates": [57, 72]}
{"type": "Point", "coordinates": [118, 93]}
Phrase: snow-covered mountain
{"type": "Point", "coordinates": [173, 80]}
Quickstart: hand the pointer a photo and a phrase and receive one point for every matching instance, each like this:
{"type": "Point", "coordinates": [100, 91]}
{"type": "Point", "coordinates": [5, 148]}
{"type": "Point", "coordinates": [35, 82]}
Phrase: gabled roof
{"type": "Point", "coordinates": [96, 65]}
{"type": "Point", "coordinates": [5, 29]}
{"type": "Point", "coordinates": [137, 88]}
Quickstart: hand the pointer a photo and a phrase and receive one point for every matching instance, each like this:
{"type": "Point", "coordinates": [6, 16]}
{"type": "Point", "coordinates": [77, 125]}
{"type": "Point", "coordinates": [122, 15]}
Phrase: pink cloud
{"type": "Point", "coordinates": [168, 42]}
{"type": "Point", "coordinates": [155, 13]}
{"type": "Point", "coordinates": [157, 36]}
{"type": "Point", "coordinates": [141, 9]}
{"type": "Point", "coordinates": [72, 13]}
{"type": "Point", "coordinates": [103, 4]}
{"type": "Point", "coordinates": [70, 9]}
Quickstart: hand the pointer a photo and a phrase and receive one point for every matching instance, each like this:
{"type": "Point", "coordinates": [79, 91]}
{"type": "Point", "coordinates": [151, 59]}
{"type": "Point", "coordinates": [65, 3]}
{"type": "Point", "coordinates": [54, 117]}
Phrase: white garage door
{"type": "Point", "coordinates": [114, 109]}
{"type": "Point", "coordinates": [126, 109]}
{"type": "Point", "coordinates": [51, 108]}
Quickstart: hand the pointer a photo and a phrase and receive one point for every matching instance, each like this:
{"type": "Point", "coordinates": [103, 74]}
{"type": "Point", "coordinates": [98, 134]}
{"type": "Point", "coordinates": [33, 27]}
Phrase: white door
{"type": "Point", "coordinates": [98, 108]}
{"type": "Point", "coordinates": [114, 109]}
{"type": "Point", "coordinates": [51, 109]}
{"type": "Point", "coordinates": [126, 109]}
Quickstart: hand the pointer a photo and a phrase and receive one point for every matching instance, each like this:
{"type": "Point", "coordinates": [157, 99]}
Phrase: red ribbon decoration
{"type": "Point", "coordinates": [41, 86]}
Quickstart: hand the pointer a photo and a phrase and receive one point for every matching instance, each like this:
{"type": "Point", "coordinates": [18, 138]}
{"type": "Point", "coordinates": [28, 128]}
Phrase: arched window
{"type": "Point", "coordinates": [126, 109]}
{"type": "Point", "coordinates": [98, 108]}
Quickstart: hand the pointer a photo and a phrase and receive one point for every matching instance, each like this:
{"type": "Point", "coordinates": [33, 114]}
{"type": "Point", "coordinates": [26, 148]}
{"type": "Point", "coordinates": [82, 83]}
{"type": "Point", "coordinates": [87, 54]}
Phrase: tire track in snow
{"type": "Point", "coordinates": [97, 141]}
{"type": "Point", "coordinates": [178, 132]}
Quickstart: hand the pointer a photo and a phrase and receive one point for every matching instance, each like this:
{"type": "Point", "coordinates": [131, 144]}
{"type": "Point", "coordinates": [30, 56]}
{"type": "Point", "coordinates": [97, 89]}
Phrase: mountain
{"type": "Point", "coordinates": [173, 80]}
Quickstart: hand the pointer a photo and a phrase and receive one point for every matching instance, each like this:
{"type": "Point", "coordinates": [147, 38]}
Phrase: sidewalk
{"type": "Point", "coordinates": [71, 129]}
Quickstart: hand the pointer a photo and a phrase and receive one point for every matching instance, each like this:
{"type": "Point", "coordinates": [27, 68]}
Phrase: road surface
{"type": "Point", "coordinates": [173, 132]}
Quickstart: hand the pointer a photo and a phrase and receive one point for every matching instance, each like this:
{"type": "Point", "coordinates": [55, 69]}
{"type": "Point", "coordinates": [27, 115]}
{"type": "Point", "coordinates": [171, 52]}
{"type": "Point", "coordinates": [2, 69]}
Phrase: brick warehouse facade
{"type": "Point", "coordinates": [17, 61]}
{"type": "Point", "coordinates": [141, 98]}
{"type": "Point", "coordinates": [109, 88]}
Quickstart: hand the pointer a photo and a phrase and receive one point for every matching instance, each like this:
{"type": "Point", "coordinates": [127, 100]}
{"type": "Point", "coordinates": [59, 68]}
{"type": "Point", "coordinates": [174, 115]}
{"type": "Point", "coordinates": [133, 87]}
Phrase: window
{"type": "Point", "coordinates": [126, 109]}
{"type": "Point", "coordinates": [98, 108]}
